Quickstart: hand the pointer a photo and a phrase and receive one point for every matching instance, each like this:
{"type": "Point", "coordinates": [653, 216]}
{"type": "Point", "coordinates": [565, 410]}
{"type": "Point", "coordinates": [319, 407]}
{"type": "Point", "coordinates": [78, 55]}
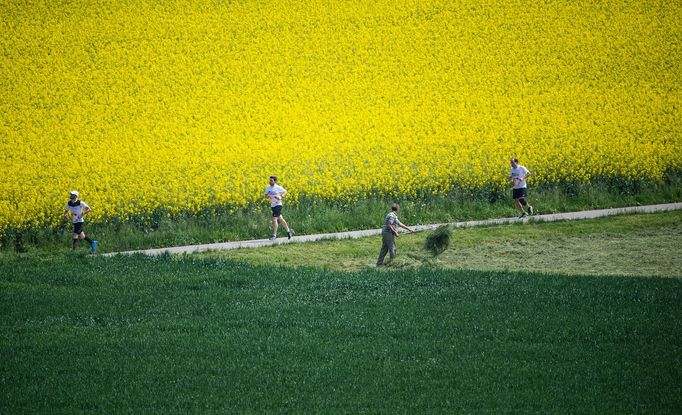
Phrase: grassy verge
{"type": "Point", "coordinates": [635, 245]}
{"type": "Point", "coordinates": [310, 217]}
{"type": "Point", "coordinates": [161, 335]}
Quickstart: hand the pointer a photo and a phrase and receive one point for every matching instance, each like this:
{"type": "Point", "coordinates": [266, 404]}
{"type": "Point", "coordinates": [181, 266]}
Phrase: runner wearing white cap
{"type": "Point", "coordinates": [78, 209]}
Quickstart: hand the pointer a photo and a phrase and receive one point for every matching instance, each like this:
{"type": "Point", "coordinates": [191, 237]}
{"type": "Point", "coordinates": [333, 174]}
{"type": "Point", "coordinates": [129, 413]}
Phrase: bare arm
{"type": "Point", "coordinates": [513, 179]}
{"type": "Point", "coordinates": [276, 197]}
{"type": "Point", "coordinates": [407, 228]}
{"type": "Point", "coordinates": [85, 212]}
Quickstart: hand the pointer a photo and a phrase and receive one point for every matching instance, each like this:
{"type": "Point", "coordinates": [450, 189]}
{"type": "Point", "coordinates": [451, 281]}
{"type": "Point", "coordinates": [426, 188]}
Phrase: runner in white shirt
{"type": "Point", "coordinates": [274, 193]}
{"type": "Point", "coordinates": [76, 210]}
{"type": "Point", "coordinates": [518, 175]}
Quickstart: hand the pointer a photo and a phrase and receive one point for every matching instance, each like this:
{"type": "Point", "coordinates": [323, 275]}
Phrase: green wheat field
{"type": "Point", "coordinates": [211, 334]}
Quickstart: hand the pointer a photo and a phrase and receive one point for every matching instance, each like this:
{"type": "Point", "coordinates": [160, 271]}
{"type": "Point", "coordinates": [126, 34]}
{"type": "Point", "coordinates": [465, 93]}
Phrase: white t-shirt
{"type": "Point", "coordinates": [272, 193]}
{"type": "Point", "coordinates": [77, 211]}
{"type": "Point", "coordinates": [519, 173]}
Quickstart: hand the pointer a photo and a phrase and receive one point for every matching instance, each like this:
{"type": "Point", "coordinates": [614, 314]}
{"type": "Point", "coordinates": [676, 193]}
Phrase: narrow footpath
{"type": "Point", "coordinates": [257, 243]}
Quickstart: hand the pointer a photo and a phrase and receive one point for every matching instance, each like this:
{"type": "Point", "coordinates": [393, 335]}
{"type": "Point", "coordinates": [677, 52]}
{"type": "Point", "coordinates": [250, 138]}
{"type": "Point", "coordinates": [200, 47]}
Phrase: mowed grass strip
{"type": "Point", "coordinates": [166, 335]}
{"type": "Point", "coordinates": [633, 245]}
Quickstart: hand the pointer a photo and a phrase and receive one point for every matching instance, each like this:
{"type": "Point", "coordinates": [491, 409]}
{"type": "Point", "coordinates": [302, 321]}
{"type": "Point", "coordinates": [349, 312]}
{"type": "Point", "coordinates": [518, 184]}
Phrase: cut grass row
{"type": "Point", "coordinates": [634, 245]}
{"type": "Point", "coordinates": [190, 335]}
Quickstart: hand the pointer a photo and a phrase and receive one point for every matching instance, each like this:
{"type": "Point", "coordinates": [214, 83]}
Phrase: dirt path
{"type": "Point", "coordinates": [588, 214]}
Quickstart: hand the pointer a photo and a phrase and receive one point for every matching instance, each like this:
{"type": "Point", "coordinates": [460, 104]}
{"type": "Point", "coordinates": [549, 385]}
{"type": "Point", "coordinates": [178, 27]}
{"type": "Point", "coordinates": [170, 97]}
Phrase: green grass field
{"type": "Point", "coordinates": [634, 245]}
{"type": "Point", "coordinates": [84, 334]}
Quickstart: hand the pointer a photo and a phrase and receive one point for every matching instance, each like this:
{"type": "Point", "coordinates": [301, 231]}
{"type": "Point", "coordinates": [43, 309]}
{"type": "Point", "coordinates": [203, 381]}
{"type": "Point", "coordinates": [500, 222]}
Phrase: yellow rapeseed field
{"type": "Point", "coordinates": [146, 104]}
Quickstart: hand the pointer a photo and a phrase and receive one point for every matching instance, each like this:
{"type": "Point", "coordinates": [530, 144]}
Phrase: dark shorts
{"type": "Point", "coordinates": [78, 227]}
{"type": "Point", "coordinates": [519, 193]}
{"type": "Point", "coordinates": [277, 211]}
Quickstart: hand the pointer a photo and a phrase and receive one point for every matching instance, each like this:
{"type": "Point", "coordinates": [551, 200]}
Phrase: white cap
{"type": "Point", "coordinates": [73, 193]}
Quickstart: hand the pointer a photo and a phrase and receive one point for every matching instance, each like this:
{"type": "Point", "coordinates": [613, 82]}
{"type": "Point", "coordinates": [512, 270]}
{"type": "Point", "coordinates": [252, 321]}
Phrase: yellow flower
{"type": "Point", "coordinates": [184, 106]}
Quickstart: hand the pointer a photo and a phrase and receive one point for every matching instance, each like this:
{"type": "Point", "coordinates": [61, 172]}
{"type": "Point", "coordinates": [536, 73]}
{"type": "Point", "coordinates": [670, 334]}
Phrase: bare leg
{"type": "Point", "coordinates": [518, 206]}
{"type": "Point", "coordinates": [283, 222]}
{"type": "Point", "coordinates": [274, 226]}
